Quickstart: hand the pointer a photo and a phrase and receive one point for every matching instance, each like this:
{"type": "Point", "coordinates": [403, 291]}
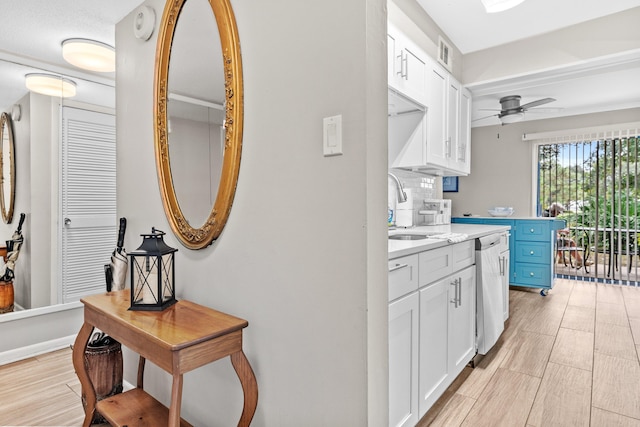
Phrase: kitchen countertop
{"type": "Point", "coordinates": [398, 248]}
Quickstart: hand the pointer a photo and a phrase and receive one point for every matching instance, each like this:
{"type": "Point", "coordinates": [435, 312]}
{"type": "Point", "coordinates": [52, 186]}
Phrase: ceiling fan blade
{"type": "Point", "coordinates": [486, 117]}
{"type": "Point", "coordinates": [536, 103]}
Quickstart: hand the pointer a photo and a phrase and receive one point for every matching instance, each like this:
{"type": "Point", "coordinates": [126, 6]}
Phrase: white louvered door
{"type": "Point", "coordinates": [88, 201]}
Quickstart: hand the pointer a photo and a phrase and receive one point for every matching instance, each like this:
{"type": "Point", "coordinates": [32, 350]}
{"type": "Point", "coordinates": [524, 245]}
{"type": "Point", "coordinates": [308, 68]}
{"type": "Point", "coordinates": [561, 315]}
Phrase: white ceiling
{"type": "Point", "coordinates": [609, 84]}
{"type": "Point", "coordinates": [471, 29]}
{"type": "Point", "coordinates": [32, 31]}
{"type": "Point", "coordinates": [31, 35]}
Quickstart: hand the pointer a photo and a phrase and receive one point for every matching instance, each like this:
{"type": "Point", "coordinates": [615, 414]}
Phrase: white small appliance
{"type": "Point", "coordinates": [436, 211]}
{"type": "Point", "coordinates": [404, 210]}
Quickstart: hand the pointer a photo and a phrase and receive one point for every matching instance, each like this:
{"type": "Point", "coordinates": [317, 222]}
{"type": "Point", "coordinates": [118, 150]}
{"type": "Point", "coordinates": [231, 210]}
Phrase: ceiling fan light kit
{"type": "Point", "coordinates": [494, 6]}
{"type": "Point", "coordinates": [89, 55]}
{"type": "Point", "coordinates": [51, 85]}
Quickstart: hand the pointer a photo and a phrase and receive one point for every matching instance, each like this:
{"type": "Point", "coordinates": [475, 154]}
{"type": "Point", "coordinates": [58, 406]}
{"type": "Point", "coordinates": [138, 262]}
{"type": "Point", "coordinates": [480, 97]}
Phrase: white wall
{"type": "Point", "coordinates": [501, 172]}
{"type": "Point", "coordinates": [303, 254]}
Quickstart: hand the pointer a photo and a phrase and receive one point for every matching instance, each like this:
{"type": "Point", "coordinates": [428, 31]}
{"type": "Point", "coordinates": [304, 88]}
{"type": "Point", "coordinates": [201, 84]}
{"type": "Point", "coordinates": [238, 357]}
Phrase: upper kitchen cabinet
{"type": "Point", "coordinates": [406, 66]}
{"type": "Point", "coordinates": [429, 112]}
{"type": "Point", "coordinates": [448, 123]}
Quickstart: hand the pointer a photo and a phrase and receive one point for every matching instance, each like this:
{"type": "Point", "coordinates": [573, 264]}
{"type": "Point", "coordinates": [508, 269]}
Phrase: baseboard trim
{"type": "Point", "coordinates": [21, 353]}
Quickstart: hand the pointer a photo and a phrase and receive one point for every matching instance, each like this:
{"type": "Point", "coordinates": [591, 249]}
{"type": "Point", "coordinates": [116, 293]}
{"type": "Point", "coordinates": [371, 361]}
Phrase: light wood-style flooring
{"type": "Point", "coordinates": [568, 359]}
{"type": "Point", "coordinates": [40, 391]}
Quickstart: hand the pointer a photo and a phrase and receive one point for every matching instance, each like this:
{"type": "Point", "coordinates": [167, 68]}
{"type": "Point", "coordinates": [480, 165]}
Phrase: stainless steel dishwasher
{"type": "Point", "coordinates": [489, 303]}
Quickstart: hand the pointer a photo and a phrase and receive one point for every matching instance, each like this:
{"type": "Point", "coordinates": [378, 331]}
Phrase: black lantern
{"type": "Point", "coordinates": [152, 273]}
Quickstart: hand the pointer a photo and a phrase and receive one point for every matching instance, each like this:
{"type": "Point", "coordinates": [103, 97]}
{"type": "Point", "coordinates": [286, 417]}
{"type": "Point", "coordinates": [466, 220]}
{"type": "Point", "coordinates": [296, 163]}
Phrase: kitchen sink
{"type": "Point", "coordinates": [408, 236]}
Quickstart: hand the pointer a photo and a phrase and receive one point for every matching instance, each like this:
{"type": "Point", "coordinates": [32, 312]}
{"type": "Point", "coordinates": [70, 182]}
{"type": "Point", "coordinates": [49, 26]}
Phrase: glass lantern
{"type": "Point", "coordinates": [152, 273]}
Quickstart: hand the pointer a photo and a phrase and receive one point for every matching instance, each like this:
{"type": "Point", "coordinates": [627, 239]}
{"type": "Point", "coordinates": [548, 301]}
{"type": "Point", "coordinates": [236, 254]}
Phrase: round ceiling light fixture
{"type": "Point", "coordinates": [493, 6]}
{"type": "Point", "coordinates": [89, 55]}
{"type": "Point", "coordinates": [51, 85]}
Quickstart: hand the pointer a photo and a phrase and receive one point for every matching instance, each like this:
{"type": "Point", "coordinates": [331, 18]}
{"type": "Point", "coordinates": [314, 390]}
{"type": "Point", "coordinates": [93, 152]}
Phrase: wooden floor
{"type": "Point", "coordinates": [40, 391]}
{"type": "Point", "coordinates": [568, 359]}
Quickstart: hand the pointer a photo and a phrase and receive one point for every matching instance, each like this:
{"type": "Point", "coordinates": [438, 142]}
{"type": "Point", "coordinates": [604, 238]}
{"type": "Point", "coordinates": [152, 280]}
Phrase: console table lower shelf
{"type": "Point", "coordinates": [178, 339]}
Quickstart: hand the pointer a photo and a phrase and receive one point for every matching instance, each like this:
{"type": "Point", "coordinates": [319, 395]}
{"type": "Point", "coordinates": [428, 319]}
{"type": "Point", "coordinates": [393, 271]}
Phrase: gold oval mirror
{"type": "Point", "coordinates": [7, 168]}
{"type": "Point", "coordinates": [198, 113]}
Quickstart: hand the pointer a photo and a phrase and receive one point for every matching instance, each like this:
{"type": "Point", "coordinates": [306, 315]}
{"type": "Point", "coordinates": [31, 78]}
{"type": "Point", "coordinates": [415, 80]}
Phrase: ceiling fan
{"type": "Point", "coordinates": [512, 111]}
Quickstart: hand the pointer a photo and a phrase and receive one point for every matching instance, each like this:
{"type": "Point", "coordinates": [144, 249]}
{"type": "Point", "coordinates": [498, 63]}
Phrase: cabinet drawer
{"type": "Point", "coordinates": [533, 252]}
{"type": "Point", "coordinates": [504, 241]}
{"type": "Point", "coordinates": [533, 231]}
{"type": "Point", "coordinates": [533, 274]}
{"type": "Point", "coordinates": [464, 254]}
{"type": "Point", "coordinates": [435, 264]}
{"type": "Point", "coordinates": [403, 276]}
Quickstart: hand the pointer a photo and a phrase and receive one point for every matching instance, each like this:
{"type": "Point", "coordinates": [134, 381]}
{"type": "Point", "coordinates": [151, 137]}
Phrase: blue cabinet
{"type": "Point", "coordinates": [532, 248]}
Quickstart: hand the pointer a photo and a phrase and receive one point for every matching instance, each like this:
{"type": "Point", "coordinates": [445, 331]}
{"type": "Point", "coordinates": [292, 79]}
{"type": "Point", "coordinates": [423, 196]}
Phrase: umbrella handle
{"type": "Point", "coordinates": [121, 231]}
{"type": "Point", "coordinates": [22, 216]}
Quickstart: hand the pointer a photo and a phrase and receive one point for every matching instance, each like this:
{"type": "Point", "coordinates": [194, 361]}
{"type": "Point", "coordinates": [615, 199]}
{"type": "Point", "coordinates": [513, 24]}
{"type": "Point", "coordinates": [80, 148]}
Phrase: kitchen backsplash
{"type": "Point", "coordinates": [422, 187]}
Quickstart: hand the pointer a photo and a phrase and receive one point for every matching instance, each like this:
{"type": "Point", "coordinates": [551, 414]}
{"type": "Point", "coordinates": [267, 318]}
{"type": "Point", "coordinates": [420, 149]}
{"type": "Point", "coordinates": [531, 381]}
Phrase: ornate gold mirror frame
{"type": "Point", "coordinates": [7, 160]}
{"type": "Point", "coordinates": [191, 237]}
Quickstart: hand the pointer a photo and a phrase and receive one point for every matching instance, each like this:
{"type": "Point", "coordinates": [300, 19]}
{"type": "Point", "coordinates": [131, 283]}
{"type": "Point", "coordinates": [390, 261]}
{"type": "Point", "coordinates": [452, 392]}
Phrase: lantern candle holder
{"type": "Point", "coordinates": [152, 273]}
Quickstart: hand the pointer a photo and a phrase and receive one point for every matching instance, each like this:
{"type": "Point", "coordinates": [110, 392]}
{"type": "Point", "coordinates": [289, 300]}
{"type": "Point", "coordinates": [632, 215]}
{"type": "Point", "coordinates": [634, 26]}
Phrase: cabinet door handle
{"type": "Point", "coordinates": [532, 274]}
{"type": "Point", "coordinates": [403, 73]}
{"type": "Point", "coordinates": [531, 253]}
{"type": "Point", "coordinates": [460, 291]}
{"type": "Point", "coordinates": [455, 295]}
{"type": "Point", "coordinates": [532, 230]}
{"type": "Point", "coordinates": [398, 267]}
{"type": "Point", "coordinates": [501, 262]}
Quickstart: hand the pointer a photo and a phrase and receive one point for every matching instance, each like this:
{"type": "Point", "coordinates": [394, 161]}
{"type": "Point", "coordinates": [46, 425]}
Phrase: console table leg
{"type": "Point", "coordinates": [88, 392]}
{"type": "Point", "coordinates": [141, 363]}
{"type": "Point", "coordinates": [249, 387]}
{"type": "Point", "coordinates": [176, 399]}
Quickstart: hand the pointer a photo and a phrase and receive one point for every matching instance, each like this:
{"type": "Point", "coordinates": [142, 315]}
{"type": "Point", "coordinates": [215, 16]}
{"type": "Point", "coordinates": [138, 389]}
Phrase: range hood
{"type": "Point", "coordinates": [399, 104]}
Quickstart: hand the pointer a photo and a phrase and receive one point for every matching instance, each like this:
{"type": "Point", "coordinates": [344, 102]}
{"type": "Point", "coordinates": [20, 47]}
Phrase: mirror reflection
{"type": "Point", "coordinates": [196, 112]}
{"type": "Point", "coordinates": [41, 171]}
{"type": "Point", "coordinates": [7, 168]}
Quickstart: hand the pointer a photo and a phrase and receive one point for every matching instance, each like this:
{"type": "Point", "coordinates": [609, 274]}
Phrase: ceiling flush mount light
{"type": "Point", "coordinates": [51, 85]}
{"type": "Point", "coordinates": [512, 118]}
{"type": "Point", "coordinates": [89, 55]}
{"type": "Point", "coordinates": [493, 6]}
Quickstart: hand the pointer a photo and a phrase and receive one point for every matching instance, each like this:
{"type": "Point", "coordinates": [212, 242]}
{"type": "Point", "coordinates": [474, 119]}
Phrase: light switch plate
{"type": "Point", "coordinates": [332, 135]}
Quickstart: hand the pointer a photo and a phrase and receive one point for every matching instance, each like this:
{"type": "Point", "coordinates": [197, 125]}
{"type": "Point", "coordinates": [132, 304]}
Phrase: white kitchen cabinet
{"type": "Point", "coordinates": [429, 112]}
{"type": "Point", "coordinates": [403, 276]}
{"type": "Point", "coordinates": [434, 343]}
{"type": "Point", "coordinates": [448, 123]}
{"type": "Point", "coordinates": [403, 361]}
{"type": "Point", "coordinates": [437, 153]}
{"type": "Point", "coordinates": [462, 321]}
{"type": "Point", "coordinates": [431, 326]}
{"type": "Point", "coordinates": [406, 65]}
{"type": "Point", "coordinates": [504, 272]}
{"type": "Point", "coordinates": [447, 333]}
{"type": "Point", "coordinates": [462, 143]}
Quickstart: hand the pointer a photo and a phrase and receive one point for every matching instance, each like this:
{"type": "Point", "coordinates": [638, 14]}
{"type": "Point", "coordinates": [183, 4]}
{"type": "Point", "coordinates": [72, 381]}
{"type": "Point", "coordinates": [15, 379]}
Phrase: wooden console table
{"type": "Point", "coordinates": [179, 339]}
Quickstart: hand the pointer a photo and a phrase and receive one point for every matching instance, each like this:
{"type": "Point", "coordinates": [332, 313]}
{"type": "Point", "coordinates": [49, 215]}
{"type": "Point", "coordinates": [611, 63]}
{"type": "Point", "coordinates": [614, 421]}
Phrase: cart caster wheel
{"type": "Point", "coordinates": [544, 292]}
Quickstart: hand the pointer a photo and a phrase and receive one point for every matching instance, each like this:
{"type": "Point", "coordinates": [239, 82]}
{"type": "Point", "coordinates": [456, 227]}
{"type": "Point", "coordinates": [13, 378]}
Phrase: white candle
{"type": "Point", "coordinates": [148, 295]}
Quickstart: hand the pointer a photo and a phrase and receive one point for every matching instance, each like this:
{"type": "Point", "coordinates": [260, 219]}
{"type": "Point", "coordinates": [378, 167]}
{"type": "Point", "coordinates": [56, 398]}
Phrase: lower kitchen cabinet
{"type": "Point", "coordinates": [431, 327]}
{"type": "Point", "coordinates": [403, 361]}
{"type": "Point", "coordinates": [504, 272]}
{"type": "Point", "coordinates": [447, 333]}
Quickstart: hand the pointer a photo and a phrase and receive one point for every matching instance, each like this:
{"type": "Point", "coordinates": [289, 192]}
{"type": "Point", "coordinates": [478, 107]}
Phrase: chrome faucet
{"type": "Point", "coordinates": [402, 196]}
